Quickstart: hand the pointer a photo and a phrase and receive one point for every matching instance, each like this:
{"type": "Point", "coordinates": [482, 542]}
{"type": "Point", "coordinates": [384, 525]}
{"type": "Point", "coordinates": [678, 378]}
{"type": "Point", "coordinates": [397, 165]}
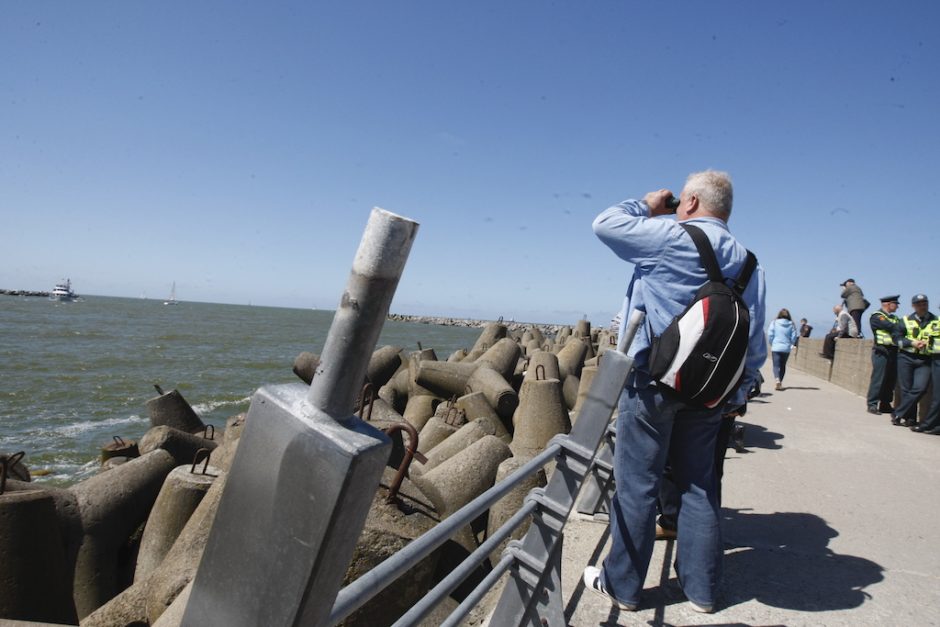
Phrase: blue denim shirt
{"type": "Point", "coordinates": [668, 272]}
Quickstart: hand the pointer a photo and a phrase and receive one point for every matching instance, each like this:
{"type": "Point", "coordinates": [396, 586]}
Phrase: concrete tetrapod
{"type": "Point", "coordinates": [475, 406]}
{"type": "Point", "coordinates": [233, 427]}
{"type": "Point", "coordinates": [383, 365]}
{"type": "Point", "coordinates": [549, 363]}
{"type": "Point", "coordinates": [443, 377]}
{"type": "Point", "coordinates": [119, 448]}
{"type": "Point", "coordinates": [395, 392]}
{"type": "Point", "coordinates": [145, 600]}
{"type": "Point", "coordinates": [390, 527]}
{"type": "Point", "coordinates": [435, 431]}
{"type": "Point", "coordinates": [569, 390]}
{"type": "Point", "coordinates": [182, 492]}
{"type": "Point", "coordinates": [496, 389]}
{"type": "Point", "coordinates": [181, 445]}
{"type": "Point", "coordinates": [571, 357]}
{"type": "Point", "coordinates": [465, 476]}
{"type": "Point", "coordinates": [584, 386]}
{"type": "Point", "coordinates": [502, 357]}
{"type": "Point", "coordinates": [35, 578]}
{"type": "Point", "coordinates": [457, 356]}
{"type": "Point", "coordinates": [420, 408]}
{"type": "Point", "coordinates": [305, 366]}
{"type": "Point", "coordinates": [112, 506]}
{"type": "Point", "coordinates": [541, 416]}
{"type": "Point", "coordinates": [582, 329]}
{"type": "Point", "coordinates": [171, 409]}
{"type": "Point", "coordinates": [173, 616]}
{"type": "Point", "coordinates": [384, 362]}
{"type": "Point", "coordinates": [456, 442]}
{"type": "Point", "coordinates": [506, 507]}
{"type": "Point", "coordinates": [492, 333]}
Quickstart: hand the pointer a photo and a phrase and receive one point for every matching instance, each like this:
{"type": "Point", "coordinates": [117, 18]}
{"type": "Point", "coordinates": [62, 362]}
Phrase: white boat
{"type": "Point", "coordinates": [172, 299]}
{"type": "Point", "coordinates": [63, 293]}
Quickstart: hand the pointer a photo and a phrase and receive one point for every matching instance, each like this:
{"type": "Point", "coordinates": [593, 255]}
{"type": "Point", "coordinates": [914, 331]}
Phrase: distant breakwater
{"type": "Point", "coordinates": [547, 329]}
{"type": "Point", "coordinates": [23, 293]}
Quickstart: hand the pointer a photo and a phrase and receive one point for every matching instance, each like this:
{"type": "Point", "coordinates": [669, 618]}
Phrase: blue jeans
{"type": "Point", "coordinates": [648, 428]}
{"type": "Point", "coordinates": [780, 364]}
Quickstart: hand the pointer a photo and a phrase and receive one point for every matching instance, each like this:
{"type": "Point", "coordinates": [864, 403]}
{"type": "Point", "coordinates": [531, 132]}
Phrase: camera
{"type": "Point", "coordinates": [672, 204]}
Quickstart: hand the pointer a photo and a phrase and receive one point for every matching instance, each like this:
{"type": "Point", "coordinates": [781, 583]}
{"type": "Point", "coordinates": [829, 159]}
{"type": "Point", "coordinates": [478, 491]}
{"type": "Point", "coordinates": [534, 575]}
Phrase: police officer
{"type": "Point", "coordinates": [884, 355]}
{"type": "Point", "coordinates": [931, 425]}
{"type": "Point", "coordinates": [913, 360]}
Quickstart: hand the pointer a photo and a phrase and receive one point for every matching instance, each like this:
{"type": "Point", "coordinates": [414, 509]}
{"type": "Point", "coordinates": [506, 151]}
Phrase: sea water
{"type": "Point", "coordinates": [74, 375]}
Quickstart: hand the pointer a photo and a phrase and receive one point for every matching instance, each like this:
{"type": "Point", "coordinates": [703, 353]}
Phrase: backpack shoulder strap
{"type": "Point", "coordinates": [750, 264]}
{"type": "Point", "coordinates": [710, 261]}
{"type": "Point", "coordinates": [705, 251]}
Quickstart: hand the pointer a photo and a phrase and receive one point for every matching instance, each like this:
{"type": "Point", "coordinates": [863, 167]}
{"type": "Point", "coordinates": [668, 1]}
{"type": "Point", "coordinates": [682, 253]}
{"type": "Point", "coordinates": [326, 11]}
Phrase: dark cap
{"type": "Point", "coordinates": [847, 281]}
{"type": "Point", "coordinates": [919, 298]}
{"type": "Point", "coordinates": [890, 299]}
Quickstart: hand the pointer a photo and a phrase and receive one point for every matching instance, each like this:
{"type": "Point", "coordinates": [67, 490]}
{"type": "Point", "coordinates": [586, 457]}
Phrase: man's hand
{"type": "Point", "coordinates": [734, 412]}
{"type": "Point", "coordinates": [657, 202]}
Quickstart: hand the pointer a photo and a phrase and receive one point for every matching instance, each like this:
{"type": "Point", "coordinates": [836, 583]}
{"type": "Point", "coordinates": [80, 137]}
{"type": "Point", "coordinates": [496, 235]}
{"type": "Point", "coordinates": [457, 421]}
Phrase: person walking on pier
{"type": "Point", "coordinates": [913, 361]}
{"type": "Point", "coordinates": [884, 356]}
{"type": "Point", "coordinates": [781, 335]}
{"type": "Point", "coordinates": [931, 425]}
{"type": "Point", "coordinates": [667, 273]}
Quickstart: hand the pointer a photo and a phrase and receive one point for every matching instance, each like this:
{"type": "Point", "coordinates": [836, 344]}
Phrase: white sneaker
{"type": "Point", "coordinates": [592, 581]}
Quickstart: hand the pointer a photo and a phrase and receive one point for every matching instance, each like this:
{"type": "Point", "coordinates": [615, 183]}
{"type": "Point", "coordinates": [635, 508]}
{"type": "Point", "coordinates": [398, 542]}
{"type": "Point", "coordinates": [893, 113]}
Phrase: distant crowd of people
{"type": "Point", "coordinates": [905, 353]}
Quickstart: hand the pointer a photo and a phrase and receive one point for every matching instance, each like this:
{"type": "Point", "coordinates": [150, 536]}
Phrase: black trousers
{"type": "Point", "coordinates": [914, 376]}
{"type": "Point", "coordinates": [884, 376]}
{"type": "Point", "coordinates": [857, 317]}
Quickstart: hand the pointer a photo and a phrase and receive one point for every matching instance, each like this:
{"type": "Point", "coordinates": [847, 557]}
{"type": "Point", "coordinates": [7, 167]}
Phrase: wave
{"type": "Point", "coordinates": [211, 406]}
{"type": "Point", "coordinates": [77, 428]}
{"type": "Point", "coordinates": [64, 472]}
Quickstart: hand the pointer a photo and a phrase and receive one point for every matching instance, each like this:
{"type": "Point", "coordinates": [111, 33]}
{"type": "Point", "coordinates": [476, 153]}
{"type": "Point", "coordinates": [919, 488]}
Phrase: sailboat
{"type": "Point", "coordinates": [172, 299]}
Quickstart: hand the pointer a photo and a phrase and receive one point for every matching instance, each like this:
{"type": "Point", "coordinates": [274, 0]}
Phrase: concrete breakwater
{"type": "Point", "coordinates": [30, 293]}
{"type": "Point", "coordinates": [123, 547]}
{"type": "Point", "coordinates": [547, 329]}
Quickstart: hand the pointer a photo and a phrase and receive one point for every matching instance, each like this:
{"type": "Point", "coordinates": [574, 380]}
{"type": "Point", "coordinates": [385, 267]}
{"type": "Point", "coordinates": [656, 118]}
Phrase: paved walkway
{"type": "Point", "coordinates": [830, 518]}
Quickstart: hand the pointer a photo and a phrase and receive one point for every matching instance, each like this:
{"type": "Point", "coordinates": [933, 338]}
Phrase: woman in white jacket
{"type": "Point", "coordinates": [782, 335]}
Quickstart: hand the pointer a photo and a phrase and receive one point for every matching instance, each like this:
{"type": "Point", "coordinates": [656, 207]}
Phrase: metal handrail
{"type": "Point", "coordinates": [539, 549]}
{"type": "Point", "coordinates": [363, 589]}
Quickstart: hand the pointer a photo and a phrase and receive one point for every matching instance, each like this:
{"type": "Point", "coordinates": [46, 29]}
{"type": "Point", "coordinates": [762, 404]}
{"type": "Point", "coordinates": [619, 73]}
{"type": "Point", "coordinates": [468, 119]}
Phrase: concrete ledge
{"type": "Point", "coordinates": [851, 368]}
{"type": "Point", "coordinates": [809, 360]}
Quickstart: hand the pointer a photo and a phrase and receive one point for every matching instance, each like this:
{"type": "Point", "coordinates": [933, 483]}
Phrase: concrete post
{"type": "Point", "coordinates": [171, 409]}
{"type": "Point", "coordinates": [35, 579]}
{"type": "Point", "coordinates": [306, 468]}
{"type": "Point", "coordinates": [181, 493]}
{"type": "Point", "coordinates": [112, 506]}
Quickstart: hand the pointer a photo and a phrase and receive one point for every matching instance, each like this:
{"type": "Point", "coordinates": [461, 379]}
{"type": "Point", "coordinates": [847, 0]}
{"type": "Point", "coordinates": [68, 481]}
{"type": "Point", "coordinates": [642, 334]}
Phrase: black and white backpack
{"type": "Point", "coordinates": [700, 356]}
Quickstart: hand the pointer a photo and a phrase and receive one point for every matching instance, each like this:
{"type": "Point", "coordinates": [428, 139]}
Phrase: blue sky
{"type": "Point", "coordinates": [237, 148]}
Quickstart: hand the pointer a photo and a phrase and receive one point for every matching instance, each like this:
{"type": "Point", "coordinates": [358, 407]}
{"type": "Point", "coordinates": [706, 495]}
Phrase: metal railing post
{"type": "Point", "coordinates": [523, 601]}
{"type": "Point", "coordinates": [598, 485]}
{"type": "Point", "coordinates": [306, 469]}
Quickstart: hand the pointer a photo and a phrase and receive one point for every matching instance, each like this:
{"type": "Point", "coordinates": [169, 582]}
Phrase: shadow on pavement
{"type": "Point", "coordinates": [783, 560]}
{"type": "Point", "coordinates": [758, 436]}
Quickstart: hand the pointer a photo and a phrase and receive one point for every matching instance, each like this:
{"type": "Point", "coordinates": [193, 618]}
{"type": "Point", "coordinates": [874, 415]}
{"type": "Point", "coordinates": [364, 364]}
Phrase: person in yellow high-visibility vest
{"type": "Point", "coordinates": [913, 361]}
{"type": "Point", "coordinates": [931, 424]}
{"type": "Point", "coordinates": [885, 328]}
